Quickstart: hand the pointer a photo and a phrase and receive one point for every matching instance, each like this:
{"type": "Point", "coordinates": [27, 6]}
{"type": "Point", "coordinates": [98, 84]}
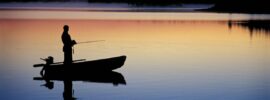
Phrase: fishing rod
{"type": "Point", "coordinates": [87, 42]}
{"type": "Point", "coordinates": [90, 41]}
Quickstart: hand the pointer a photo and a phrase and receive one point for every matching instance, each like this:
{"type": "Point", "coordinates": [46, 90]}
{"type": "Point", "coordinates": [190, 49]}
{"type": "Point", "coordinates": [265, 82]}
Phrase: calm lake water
{"type": "Point", "coordinates": [173, 56]}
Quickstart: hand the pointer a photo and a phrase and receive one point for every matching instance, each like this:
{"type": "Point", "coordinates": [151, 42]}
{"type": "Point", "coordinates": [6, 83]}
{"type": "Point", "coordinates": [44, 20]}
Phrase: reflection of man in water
{"type": "Point", "coordinates": [68, 94]}
{"type": "Point", "coordinates": [68, 44]}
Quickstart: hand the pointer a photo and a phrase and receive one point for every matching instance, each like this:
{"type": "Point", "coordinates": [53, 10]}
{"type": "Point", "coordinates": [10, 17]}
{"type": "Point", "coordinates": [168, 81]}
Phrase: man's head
{"type": "Point", "coordinates": [66, 28]}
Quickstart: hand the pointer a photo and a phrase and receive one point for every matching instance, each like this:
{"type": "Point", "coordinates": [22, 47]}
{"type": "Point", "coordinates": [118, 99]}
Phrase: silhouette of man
{"type": "Point", "coordinates": [68, 44]}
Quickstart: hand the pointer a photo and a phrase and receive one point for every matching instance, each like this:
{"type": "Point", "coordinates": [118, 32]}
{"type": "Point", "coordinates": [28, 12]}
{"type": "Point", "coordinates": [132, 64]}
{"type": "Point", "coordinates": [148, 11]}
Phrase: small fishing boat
{"type": "Point", "coordinates": [82, 66]}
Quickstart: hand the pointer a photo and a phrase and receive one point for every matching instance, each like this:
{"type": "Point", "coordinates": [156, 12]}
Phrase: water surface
{"type": "Point", "coordinates": [180, 57]}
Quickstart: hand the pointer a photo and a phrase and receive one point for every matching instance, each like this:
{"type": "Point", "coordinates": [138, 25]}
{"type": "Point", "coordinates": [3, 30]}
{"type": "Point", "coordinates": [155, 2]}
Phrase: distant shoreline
{"type": "Point", "coordinates": [100, 10]}
{"type": "Point", "coordinates": [125, 7]}
{"type": "Point", "coordinates": [102, 7]}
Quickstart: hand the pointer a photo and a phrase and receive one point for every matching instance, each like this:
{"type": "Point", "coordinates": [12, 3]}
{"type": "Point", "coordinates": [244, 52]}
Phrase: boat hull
{"type": "Point", "coordinates": [87, 67]}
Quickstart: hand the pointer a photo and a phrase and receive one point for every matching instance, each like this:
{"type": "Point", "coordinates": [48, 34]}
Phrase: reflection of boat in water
{"type": "Point", "coordinates": [98, 77]}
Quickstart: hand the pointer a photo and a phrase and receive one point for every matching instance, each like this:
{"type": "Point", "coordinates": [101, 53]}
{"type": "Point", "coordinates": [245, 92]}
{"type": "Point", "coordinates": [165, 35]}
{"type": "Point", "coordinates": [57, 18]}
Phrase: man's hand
{"type": "Point", "coordinates": [74, 42]}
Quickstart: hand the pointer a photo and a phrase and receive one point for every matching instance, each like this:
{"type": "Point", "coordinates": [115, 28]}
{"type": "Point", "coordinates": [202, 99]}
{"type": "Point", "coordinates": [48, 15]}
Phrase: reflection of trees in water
{"type": "Point", "coordinates": [255, 27]}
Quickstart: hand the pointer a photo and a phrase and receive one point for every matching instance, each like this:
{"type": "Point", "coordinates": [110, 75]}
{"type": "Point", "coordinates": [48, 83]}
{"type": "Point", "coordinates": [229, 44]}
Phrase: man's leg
{"type": "Point", "coordinates": [68, 57]}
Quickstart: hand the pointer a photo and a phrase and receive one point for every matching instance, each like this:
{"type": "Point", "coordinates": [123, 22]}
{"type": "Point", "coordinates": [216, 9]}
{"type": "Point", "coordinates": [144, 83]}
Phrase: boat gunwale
{"type": "Point", "coordinates": [89, 61]}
